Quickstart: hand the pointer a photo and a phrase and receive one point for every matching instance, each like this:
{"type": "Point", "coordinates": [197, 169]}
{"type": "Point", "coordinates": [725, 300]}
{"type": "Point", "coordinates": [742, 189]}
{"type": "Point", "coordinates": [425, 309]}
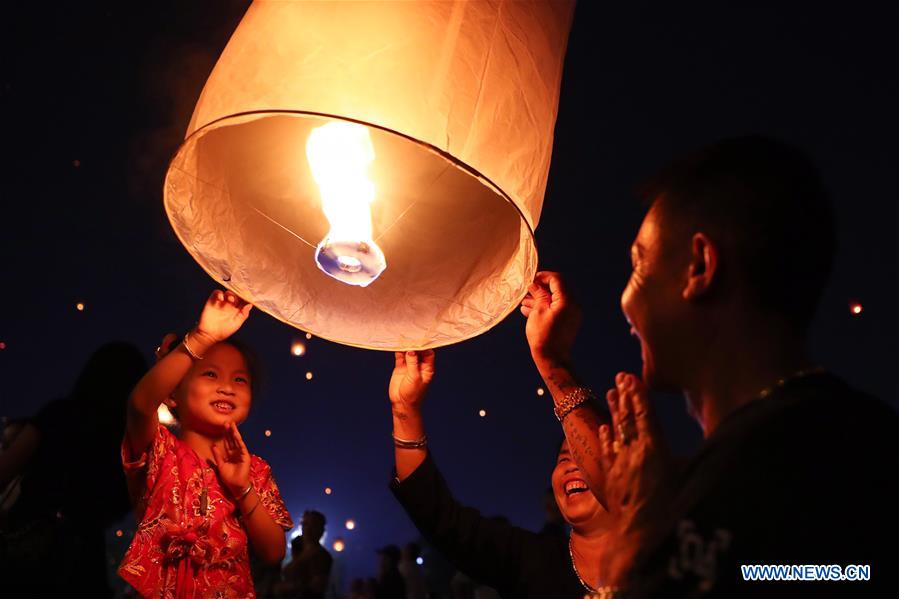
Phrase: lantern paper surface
{"type": "Point", "coordinates": [459, 100]}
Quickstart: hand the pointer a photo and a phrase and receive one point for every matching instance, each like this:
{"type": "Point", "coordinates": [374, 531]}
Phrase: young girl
{"type": "Point", "coordinates": [199, 497]}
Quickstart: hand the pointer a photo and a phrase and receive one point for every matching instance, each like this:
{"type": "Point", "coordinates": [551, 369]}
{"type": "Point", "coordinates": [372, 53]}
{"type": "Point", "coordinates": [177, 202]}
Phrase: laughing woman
{"type": "Point", "coordinates": [516, 562]}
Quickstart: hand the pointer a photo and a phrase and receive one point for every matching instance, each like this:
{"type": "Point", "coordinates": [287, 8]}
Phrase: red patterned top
{"type": "Point", "coordinates": [178, 551]}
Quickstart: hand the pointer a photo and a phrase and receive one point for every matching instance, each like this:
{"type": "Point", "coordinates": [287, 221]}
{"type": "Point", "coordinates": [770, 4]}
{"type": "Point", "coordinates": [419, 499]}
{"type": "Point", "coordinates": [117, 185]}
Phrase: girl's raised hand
{"type": "Point", "coordinates": [223, 315]}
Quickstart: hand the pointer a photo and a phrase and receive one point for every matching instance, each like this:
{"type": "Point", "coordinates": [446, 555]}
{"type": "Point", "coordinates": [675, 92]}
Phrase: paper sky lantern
{"type": "Point", "coordinates": [372, 172]}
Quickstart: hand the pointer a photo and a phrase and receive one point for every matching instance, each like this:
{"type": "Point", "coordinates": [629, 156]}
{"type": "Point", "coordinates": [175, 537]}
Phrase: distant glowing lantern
{"type": "Point", "coordinates": [119, 533]}
{"type": "Point", "coordinates": [338, 545]}
{"type": "Point", "coordinates": [308, 335]}
{"type": "Point", "coordinates": [79, 306]}
{"type": "Point", "coordinates": [855, 308]}
{"type": "Point", "coordinates": [327, 490]}
{"type": "Point", "coordinates": [482, 413]}
{"type": "Point", "coordinates": [268, 433]}
{"type": "Point", "coordinates": [350, 524]}
{"type": "Point", "coordinates": [308, 376]}
{"type": "Point", "coordinates": [2, 345]}
{"type": "Point", "coordinates": [372, 172]}
{"type": "Point", "coordinates": [298, 348]}
{"type": "Point", "coordinates": [419, 560]}
{"type": "Point", "coordinates": [164, 416]}
{"type": "Point", "coordinates": [540, 391]}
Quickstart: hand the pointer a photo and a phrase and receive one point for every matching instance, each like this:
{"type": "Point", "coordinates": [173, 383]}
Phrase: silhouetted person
{"type": "Point", "coordinates": [306, 575]}
{"type": "Point", "coordinates": [413, 574]}
{"type": "Point", "coordinates": [71, 486]}
{"type": "Point", "coordinates": [390, 583]}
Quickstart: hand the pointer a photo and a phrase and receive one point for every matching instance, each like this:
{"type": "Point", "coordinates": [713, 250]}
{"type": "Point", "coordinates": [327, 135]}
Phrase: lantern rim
{"type": "Point", "coordinates": [471, 171]}
{"type": "Point", "coordinates": [443, 153]}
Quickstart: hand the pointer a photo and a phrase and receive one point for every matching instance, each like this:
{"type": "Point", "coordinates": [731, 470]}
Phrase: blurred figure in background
{"type": "Point", "coordinates": [70, 483]}
{"type": "Point", "coordinates": [412, 572]}
{"type": "Point", "coordinates": [306, 575]}
{"type": "Point", "coordinates": [390, 584]}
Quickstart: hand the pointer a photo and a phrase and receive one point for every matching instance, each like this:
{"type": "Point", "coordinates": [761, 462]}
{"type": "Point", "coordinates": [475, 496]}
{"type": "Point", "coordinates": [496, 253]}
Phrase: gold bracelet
{"type": "Point", "coordinates": [246, 491]}
{"type": "Point", "coordinates": [405, 444]}
{"type": "Point", "coordinates": [572, 400]}
{"type": "Point", "coordinates": [187, 348]}
{"type": "Point", "coordinates": [252, 509]}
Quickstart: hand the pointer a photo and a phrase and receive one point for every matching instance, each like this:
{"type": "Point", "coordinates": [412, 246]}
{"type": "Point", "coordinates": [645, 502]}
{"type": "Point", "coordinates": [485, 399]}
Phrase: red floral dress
{"type": "Point", "coordinates": [190, 541]}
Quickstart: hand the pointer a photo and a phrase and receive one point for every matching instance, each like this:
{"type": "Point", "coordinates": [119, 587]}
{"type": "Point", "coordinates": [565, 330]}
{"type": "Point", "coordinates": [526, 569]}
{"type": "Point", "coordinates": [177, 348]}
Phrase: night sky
{"type": "Point", "coordinates": [96, 97]}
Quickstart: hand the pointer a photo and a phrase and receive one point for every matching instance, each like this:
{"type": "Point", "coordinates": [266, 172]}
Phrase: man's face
{"type": "Point", "coordinates": [653, 304]}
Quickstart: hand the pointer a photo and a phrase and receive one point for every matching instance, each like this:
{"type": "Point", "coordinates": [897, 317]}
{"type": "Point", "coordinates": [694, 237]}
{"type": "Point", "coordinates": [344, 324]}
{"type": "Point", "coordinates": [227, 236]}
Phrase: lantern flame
{"type": "Point", "coordinates": [339, 155]}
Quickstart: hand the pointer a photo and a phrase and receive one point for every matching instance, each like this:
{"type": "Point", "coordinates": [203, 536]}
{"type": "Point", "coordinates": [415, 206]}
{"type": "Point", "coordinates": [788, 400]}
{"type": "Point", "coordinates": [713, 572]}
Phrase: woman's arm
{"type": "Point", "coordinates": [553, 322]}
{"type": "Point", "coordinates": [486, 549]}
{"type": "Point", "coordinates": [490, 550]}
{"type": "Point", "coordinates": [412, 373]}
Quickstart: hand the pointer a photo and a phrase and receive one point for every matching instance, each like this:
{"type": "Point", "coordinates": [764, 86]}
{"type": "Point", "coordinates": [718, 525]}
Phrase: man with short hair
{"type": "Point", "coordinates": [729, 264]}
{"type": "Point", "coordinates": [306, 575]}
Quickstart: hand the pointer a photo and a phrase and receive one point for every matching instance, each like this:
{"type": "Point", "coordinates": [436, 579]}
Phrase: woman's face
{"type": "Point", "coordinates": [577, 503]}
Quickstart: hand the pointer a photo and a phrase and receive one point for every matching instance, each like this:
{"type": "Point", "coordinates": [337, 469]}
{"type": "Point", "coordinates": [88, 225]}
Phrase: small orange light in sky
{"type": "Point", "coordinates": [79, 306]}
{"type": "Point", "coordinates": [482, 413]}
{"type": "Point", "coordinates": [338, 545]}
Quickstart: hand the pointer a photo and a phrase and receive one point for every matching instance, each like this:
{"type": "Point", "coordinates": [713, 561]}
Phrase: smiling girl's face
{"type": "Point", "coordinates": [215, 391]}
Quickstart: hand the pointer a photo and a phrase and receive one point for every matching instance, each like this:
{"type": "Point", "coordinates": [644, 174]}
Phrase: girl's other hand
{"type": "Point", "coordinates": [232, 460]}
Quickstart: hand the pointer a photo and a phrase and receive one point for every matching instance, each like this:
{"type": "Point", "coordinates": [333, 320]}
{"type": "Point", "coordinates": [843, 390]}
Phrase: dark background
{"type": "Point", "coordinates": [96, 97]}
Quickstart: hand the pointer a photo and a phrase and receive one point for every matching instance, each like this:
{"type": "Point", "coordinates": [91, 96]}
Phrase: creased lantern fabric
{"type": "Point", "coordinates": [460, 99]}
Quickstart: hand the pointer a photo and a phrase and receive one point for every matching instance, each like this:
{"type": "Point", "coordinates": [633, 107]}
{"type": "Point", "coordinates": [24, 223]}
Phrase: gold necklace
{"type": "Point", "coordinates": [789, 378]}
{"type": "Point", "coordinates": [574, 567]}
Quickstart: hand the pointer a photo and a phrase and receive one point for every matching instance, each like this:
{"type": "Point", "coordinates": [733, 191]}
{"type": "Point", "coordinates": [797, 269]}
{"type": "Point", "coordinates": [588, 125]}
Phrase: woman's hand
{"type": "Point", "coordinates": [232, 460]}
{"type": "Point", "coordinates": [222, 316]}
{"type": "Point", "coordinates": [412, 373]}
{"type": "Point", "coordinates": [553, 320]}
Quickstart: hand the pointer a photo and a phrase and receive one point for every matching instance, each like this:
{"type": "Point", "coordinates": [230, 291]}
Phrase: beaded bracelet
{"type": "Point", "coordinates": [572, 400]}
